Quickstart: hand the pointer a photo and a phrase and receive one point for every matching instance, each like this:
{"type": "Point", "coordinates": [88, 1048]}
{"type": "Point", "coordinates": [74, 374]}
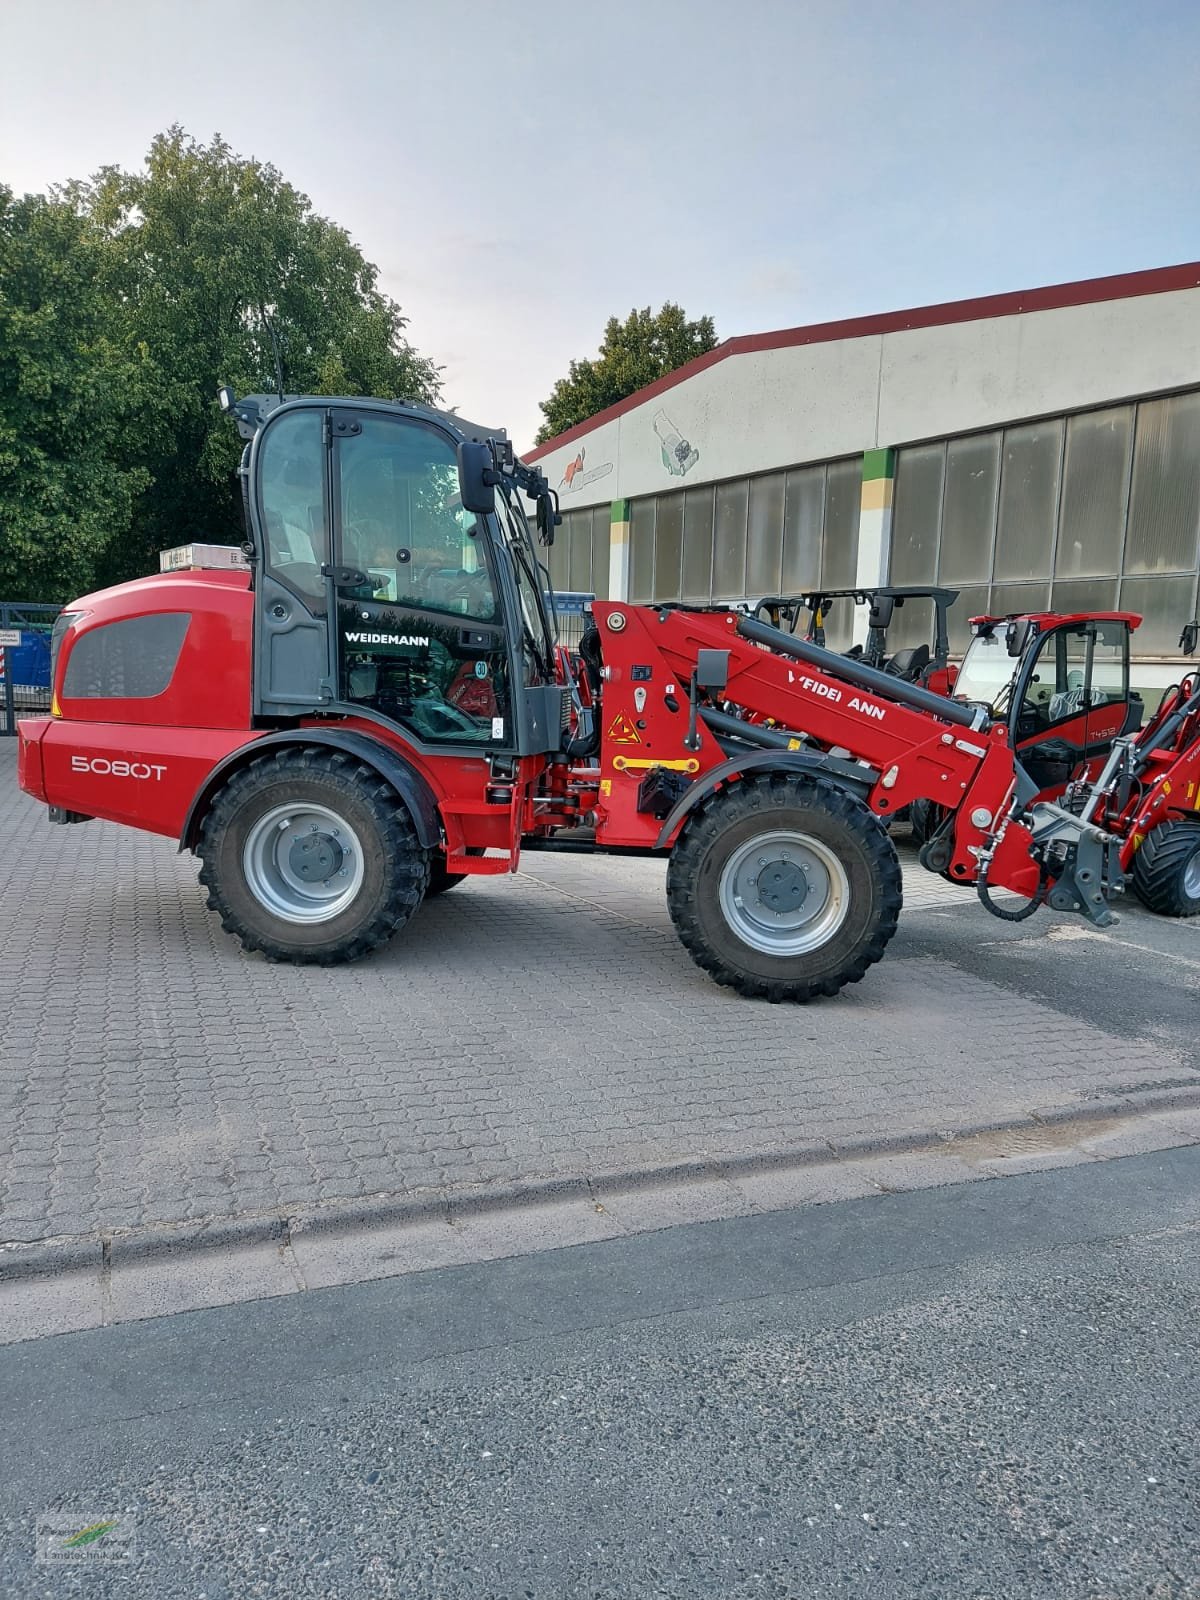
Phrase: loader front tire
{"type": "Point", "coordinates": [309, 856]}
{"type": "Point", "coordinates": [784, 887]}
{"type": "Point", "coordinates": [1166, 869]}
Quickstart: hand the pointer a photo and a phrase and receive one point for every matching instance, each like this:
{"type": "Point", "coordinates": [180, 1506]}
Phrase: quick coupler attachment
{"type": "Point", "coordinates": [1086, 862]}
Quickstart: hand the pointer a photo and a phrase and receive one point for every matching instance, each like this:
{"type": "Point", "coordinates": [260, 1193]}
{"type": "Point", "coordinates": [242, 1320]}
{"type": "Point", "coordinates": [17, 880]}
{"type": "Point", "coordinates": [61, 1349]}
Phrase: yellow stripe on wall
{"type": "Point", "coordinates": [877, 494]}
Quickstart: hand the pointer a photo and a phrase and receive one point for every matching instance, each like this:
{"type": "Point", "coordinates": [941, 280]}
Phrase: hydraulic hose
{"type": "Point", "coordinates": [1025, 912]}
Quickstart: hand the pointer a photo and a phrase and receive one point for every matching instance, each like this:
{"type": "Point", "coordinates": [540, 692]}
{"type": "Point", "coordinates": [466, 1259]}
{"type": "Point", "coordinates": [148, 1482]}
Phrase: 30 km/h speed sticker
{"type": "Point", "coordinates": [622, 731]}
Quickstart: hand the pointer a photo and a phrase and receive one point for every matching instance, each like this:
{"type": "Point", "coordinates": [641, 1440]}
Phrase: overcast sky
{"type": "Point", "coordinates": [521, 171]}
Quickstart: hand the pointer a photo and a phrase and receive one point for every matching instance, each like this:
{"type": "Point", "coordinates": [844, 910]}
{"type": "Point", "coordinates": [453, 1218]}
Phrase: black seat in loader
{"type": "Point", "coordinates": [908, 665]}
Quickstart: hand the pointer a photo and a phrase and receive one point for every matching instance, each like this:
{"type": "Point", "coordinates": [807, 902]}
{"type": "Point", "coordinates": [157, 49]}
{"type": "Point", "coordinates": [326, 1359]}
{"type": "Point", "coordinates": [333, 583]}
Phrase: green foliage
{"type": "Point", "coordinates": [633, 353]}
{"type": "Point", "coordinates": [66, 484]}
{"type": "Point", "coordinates": [126, 301]}
{"type": "Point", "coordinates": [207, 252]}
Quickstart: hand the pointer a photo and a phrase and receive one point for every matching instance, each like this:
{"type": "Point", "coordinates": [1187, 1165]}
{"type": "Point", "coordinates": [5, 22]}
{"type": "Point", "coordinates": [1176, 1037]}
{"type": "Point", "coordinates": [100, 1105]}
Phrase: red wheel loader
{"type": "Point", "coordinates": [1060, 682]}
{"type": "Point", "coordinates": [300, 725]}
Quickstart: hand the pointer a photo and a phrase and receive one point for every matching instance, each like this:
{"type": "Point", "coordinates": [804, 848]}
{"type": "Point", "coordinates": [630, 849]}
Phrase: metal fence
{"type": "Point", "coordinates": [25, 631]}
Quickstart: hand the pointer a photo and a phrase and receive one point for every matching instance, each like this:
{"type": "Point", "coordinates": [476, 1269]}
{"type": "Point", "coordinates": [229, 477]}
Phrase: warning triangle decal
{"type": "Point", "coordinates": [622, 731]}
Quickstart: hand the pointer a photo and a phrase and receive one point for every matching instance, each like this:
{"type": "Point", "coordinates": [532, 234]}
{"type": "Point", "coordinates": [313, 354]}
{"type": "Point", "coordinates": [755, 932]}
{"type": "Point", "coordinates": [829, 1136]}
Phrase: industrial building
{"type": "Point", "coordinates": [1037, 449]}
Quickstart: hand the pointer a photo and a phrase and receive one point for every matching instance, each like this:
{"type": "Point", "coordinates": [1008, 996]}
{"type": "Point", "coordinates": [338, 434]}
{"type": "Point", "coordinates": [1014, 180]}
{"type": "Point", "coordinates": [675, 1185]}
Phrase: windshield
{"type": "Point", "coordinates": [986, 671]}
{"type": "Point", "coordinates": [539, 634]}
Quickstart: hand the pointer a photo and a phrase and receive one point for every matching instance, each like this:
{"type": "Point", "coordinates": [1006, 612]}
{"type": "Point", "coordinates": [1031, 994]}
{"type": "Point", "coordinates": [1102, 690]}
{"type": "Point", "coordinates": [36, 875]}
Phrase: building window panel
{"type": "Point", "coordinates": [559, 555]}
{"type": "Point", "coordinates": [1015, 599]}
{"type": "Point", "coordinates": [641, 550]}
{"type": "Point", "coordinates": [1084, 594]}
{"type": "Point", "coordinates": [918, 512]}
{"type": "Point", "coordinates": [1164, 511]}
{"type": "Point", "coordinates": [601, 525]}
{"type": "Point", "coordinates": [839, 623]}
{"type": "Point", "coordinates": [578, 529]}
{"type": "Point", "coordinates": [804, 516]}
{"type": "Point", "coordinates": [912, 625]}
{"type": "Point", "coordinates": [668, 546]}
{"type": "Point", "coordinates": [697, 544]}
{"type": "Point", "coordinates": [1028, 499]}
{"type": "Point", "coordinates": [1164, 603]}
{"type": "Point", "coordinates": [729, 551]}
{"type": "Point", "coordinates": [839, 542]}
{"type": "Point", "coordinates": [764, 535]}
{"type": "Point", "coordinates": [1095, 492]}
{"type": "Point", "coordinates": [972, 601]}
{"type": "Point", "coordinates": [969, 509]}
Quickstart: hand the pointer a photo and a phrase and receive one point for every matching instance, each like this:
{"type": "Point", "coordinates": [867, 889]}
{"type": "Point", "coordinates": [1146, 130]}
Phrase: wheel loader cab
{"type": "Point", "coordinates": [1065, 695]}
{"type": "Point", "coordinates": [379, 594]}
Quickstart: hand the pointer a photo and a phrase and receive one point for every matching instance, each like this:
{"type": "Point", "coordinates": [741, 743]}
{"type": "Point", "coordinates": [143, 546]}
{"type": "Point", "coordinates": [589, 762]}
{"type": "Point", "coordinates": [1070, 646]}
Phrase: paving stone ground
{"type": "Point", "coordinates": [544, 1027]}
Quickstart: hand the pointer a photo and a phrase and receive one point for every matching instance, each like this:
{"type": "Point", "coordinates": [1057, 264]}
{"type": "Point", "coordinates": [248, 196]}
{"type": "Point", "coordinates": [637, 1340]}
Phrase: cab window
{"type": "Point", "coordinates": [421, 636]}
{"type": "Point", "coordinates": [403, 525]}
{"type": "Point", "coordinates": [292, 475]}
{"type": "Point", "coordinates": [1075, 669]}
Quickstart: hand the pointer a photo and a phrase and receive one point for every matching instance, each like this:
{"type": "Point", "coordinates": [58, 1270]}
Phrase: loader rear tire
{"type": "Point", "coordinates": [784, 887]}
{"type": "Point", "coordinates": [1166, 869]}
{"type": "Point", "coordinates": [309, 856]}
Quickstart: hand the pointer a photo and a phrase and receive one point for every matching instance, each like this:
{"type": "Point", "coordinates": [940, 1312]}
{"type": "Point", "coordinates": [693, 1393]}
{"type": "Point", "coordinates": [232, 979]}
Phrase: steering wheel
{"type": "Point", "coordinates": [470, 592]}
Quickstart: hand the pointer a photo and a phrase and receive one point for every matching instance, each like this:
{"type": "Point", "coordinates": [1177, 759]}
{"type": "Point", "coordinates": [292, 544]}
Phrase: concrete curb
{"type": "Point", "coordinates": [95, 1252]}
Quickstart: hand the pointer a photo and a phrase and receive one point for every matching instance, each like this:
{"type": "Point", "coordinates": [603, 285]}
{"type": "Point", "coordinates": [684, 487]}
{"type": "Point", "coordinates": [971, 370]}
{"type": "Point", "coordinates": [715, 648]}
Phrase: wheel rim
{"type": "Point", "coordinates": [304, 863]}
{"type": "Point", "coordinates": [1191, 877]}
{"type": "Point", "coordinates": [784, 893]}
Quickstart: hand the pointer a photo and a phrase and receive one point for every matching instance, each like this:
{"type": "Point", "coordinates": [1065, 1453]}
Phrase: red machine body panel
{"type": "Point", "coordinates": [142, 760]}
{"type": "Point", "coordinates": [145, 777]}
{"type": "Point", "coordinates": [1059, 619]}
{"type": "Point", "coordinates": [210, 686]}
{"type": "Point", "coordinates": [905, 753]}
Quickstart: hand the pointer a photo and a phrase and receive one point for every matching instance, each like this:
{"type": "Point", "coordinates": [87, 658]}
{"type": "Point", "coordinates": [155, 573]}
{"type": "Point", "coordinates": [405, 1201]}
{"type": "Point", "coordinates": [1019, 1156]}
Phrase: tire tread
{"type": "Point", "coordinates": [1159, 865]}
{"type": "Point", "coordinates": [750, 797]}
{"type": "Point", "coordinates": [406, 862]}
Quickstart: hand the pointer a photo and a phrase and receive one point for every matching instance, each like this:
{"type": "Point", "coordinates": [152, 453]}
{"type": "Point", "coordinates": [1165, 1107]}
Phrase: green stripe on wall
{"type": "Point", "coordinates": [878, 464]}
{"type": "Point", "coordinates": [620, 511]}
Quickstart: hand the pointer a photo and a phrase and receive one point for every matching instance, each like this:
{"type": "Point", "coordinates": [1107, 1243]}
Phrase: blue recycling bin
{"type": "Point", "coordinates": [28, 663]}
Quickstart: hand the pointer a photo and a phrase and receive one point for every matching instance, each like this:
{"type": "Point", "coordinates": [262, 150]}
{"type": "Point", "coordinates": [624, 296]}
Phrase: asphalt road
{"type": "Point", "coordinates": [987, 1391]}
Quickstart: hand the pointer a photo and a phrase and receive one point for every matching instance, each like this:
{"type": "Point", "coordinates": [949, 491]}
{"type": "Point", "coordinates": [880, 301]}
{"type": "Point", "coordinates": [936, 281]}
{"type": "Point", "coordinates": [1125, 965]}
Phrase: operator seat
{"type": "Point", "coordinates": [908, 665]}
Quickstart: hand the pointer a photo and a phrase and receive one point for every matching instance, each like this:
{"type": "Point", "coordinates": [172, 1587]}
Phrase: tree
{"type": "Point", "coordinates": [66, 397]}
{"type": "Point", "coordinates": [633, 353]}
{"type": "Point", "coordinates": [211, 260]}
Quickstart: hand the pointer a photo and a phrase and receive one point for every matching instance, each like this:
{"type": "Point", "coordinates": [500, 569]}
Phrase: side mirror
{"type": "Point", "coordinates": [476, 477]}
{"type": "Point", "coordinates": [882, 608]}
{"type": "Point", "coordinates": [1189, 637]}
{"type": "Point", "coordinates": [548, 514]}
{"type": "Point", "coordinates": [1017, 634]}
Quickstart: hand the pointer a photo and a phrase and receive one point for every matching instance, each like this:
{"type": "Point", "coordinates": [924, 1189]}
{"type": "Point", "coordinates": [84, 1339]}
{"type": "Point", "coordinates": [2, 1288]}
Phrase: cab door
{"type": "Point", "coordinates": [293, 653]}
{"type": "Point", "coordinates": [1072, 700]}
{"type": "Point", "coordinates": [420, 637]}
